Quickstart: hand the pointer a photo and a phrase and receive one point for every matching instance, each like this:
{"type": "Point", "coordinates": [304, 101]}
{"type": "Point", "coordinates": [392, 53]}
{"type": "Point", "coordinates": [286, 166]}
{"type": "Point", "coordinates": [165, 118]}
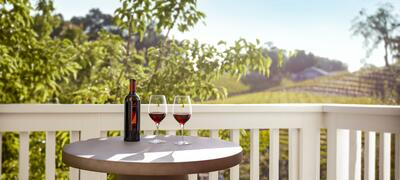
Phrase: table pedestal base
{"type": "Point", "coordinates": [177, 177]}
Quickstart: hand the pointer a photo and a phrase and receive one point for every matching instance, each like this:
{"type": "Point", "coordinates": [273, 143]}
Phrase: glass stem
{"type": "Point", "coordinates": [158, 131]}
{"type": "Point", "coordinates": [182, 127]}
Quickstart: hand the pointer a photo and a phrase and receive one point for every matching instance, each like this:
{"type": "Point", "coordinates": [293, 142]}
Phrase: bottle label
{"type": "Point", "coordinates": [133, 114]}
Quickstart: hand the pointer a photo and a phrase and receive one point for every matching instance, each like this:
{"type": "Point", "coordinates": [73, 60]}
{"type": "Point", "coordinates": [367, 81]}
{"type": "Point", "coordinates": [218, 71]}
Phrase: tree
{"type": "Point", "coordinates": [300, 61]}
{"type": "Point", "coordinates": [376, 28]}
{"type": "Point", "coordinates": [94, 22]}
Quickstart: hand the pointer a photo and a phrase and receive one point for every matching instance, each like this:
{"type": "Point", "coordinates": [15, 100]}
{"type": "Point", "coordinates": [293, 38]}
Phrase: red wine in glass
{"type": "Point", "coordinates": [182, 118]}
{"type": "Point", "coordinates": [182, 111]}
{"type": "Point", "coordinates": [157, 109]}
{"type": "Point", "coordinates": [157, 117]}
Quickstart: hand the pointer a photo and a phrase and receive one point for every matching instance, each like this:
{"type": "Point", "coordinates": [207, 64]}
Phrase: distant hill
{"type": "Point", "coordinates": [364, 83]}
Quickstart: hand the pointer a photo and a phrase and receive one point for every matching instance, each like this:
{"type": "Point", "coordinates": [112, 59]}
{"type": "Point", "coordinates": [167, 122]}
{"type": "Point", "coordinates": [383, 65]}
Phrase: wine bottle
{"type": "Point", "coordinates": [132, 114]}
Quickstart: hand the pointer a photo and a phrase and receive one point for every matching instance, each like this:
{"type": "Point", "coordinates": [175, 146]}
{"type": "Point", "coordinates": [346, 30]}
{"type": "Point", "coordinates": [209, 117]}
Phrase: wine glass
{"type": "Point", "coordinates": [157, 111]}
{"type": "Point", "coordinates": [182, 110]}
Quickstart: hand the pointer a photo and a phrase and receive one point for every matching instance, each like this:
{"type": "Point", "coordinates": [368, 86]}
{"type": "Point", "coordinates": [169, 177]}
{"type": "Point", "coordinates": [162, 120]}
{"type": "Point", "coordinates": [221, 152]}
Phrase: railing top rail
{"type": "Point", "coordinates": [117, 108]}
{"type": "Point", "coordinates": [362, 109]}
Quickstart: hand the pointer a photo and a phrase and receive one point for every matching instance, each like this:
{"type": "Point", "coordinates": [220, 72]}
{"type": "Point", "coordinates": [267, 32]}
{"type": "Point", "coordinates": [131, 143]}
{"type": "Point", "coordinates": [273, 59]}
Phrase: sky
{"type": "Point", "coordinates": [318, 26]}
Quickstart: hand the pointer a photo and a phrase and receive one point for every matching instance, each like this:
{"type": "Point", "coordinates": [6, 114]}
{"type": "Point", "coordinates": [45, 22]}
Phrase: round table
{"type": "Point", "coordinates": [143, 160]}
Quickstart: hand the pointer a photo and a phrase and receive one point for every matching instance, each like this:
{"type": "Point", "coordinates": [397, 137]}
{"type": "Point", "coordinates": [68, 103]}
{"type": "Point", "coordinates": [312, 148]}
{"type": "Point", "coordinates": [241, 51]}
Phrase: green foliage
{"type": "Point", "coordinates": [46, 60]}
{"type": "Point", "coordinates": [31, 67]}
{"type": "Point", "coordinates": [101, 76]}
{"type": "Point", "coordinates": [191, 68]}
{"type": "Point", "coordinates": [45, 22]}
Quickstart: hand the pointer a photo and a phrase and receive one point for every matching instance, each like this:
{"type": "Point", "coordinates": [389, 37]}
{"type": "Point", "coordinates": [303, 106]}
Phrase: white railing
{"type": "Point", "coordinates": [345, 124]}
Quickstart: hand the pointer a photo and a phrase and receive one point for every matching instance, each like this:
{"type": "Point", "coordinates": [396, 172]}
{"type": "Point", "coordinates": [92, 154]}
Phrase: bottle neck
{"type": "Point", "coordinates": [132, 86]}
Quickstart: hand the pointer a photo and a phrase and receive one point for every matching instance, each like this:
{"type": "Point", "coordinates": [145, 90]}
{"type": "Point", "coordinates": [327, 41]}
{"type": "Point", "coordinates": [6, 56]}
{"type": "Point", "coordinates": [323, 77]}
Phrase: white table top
{"type": "Point", "coordinates": [114, 155]}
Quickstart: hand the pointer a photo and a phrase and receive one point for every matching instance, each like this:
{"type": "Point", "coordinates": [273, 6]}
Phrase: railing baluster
{"type": "Point", "coordinates": [193, 176]}
{"type": "Point", "coordinates": [171, 132]}
{"type": "Point", "coordinates": [274, 154]}
{"type": "Point", "coordinates": [369, 156]}
{"type": "Point", "coordinates": [50, 155]}
{"type": "Point", "coordinates": [234, 171]}
{"type": "Point", "coordinates": [1, 152]}
{"type": "Point", "coordinates": [293, 154]}
{"type": "Point", "coordinates": [103, 134]}
{"type": "Point", "coordinates": [213, 175]}
{"type": "Point", "coordinates": [73, 172]}
{"type": "Point", "coordinates": [23, 163]}
{"type": "Point", "coordinates": [254, 154]}
{"type": "Point", "coordinates": [384, 156]}
{"type": "Point", "coordinates": [148, 132]}
{"type": "Point", "coordinates": [355, 155]}
{"type": "Point", "coordinates": [193, 132]}
{"type": "Point", "coordinates": [397, 158]}
{"type": "Point", "coordinates": [343, 152]}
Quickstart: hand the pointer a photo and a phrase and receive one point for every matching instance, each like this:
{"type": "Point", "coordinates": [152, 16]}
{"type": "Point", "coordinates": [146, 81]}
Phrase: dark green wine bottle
{"type": "Point", "coordinates": [132, 114]}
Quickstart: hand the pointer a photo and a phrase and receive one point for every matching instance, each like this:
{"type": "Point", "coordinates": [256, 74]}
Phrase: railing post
{"type": "Point", "coordinates": [309, 153]}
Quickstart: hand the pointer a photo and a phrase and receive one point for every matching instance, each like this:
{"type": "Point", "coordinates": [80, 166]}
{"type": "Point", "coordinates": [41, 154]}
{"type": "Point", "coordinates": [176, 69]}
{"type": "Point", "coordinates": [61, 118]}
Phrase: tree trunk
{"type": "Point", "coordinates": [386, 54]}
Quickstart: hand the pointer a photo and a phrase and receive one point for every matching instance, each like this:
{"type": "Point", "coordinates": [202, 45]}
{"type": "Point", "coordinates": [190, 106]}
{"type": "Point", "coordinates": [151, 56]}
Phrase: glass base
{"type": "Point", "coordinates": [157, 141]}
{"type": "Point", "coordinates": [182, 143]}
